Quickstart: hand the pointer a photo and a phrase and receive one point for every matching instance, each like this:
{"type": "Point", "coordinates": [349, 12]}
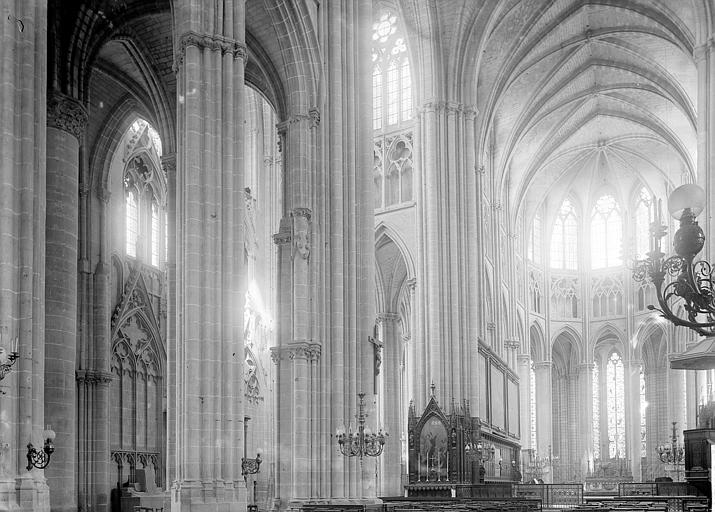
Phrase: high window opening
{"type": "Point", "coordinates": [391, 81]}
{"type": "Point", "coordinates": [564, 239]}
{"type": "Point", "coordinates": [391, 114]}
{"type": "Point", "coordinates": [615, 407]}
{"type": "Point", "coordinates": [642, 224]}
{"type": "Point", "coordinates": [144, 195]}
{"type": "Point", "coordinates": [606, 233]}
{"type": "Point", "coordinates": [534, 247]}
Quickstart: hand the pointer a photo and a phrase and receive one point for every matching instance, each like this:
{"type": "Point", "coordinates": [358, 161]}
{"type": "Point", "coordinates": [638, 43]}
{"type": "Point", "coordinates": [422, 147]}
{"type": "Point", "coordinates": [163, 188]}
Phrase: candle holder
{"type": "Point", "coordinates": [40, 459]}
{"type": "Point", "coordinates": [363, 442]}
{"type": "Point", "coordinates": [8, 358]}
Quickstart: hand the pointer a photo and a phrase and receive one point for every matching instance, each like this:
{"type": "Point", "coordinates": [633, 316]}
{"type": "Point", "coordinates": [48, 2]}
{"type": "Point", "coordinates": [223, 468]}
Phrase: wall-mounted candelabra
{"type": "Point", "coordinates": [251, 466]}
{"type": "Point", "coordinates": [362, 442]}
{"type": "Point", "coordinates": [8, 358]}
{"type": "Point", "coordinates": [41, 458]}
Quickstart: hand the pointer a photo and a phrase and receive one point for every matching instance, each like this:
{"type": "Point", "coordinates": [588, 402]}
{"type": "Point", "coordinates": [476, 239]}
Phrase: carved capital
{"type": "Point", "coordinates": [210, 42]}
{"type": "Point", "coordinates": [168, 163]}
{"type": "Point", "coordinates": [314, 114]}
{"type": "Point", "coordinates": [512, 343]}
{"type": "Point", "coordinates": [66, 113]}
{"type": "Point", "coordinates": [94, 377]}
{"type": "Point", "coordinates": [299, 350]}
{"type": "Point", "coordinates": [281, 238]}
{"type": "Point", "coordinates": [387, 317]}
{"type": "Point", "coordinates": [302, 212]}
{"type": "Point", "coordinates": [412, 284]}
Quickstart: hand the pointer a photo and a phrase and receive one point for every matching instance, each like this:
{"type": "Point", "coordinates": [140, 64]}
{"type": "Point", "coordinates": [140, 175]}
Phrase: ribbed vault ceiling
{"type": "Point", "coordinates": [575, 94]}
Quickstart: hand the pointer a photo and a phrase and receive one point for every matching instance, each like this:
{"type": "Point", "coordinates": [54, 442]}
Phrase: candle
{"type": "Point", "coordinates": [15, 344]}
{"type": "Point", "coordinates": [419, 467]}
{"type": "Point", "coordinates": [447, 466]}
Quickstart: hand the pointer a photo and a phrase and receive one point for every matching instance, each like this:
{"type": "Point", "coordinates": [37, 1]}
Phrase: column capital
{"type": "Point", "coordinates": [387, 317]}
{"type": "Point", "coordinates": [168, 163]}
{"type": "Point", "coordinates": [524, 358]}
{"type": "Point", "coordinates": [211, 42]}
{"type": "Point", "coordinates": [296, 350]}
{"type": "Point", "coordinates": [543, 365]}
{"type": "Point", "coordinates": [95, 377]}
{"type": "Point", "coordinates": [66, 113]}
{"type": "Point", "coordinates": [512, 343]}
{"type": "Point", "coordinates": [449, 108]}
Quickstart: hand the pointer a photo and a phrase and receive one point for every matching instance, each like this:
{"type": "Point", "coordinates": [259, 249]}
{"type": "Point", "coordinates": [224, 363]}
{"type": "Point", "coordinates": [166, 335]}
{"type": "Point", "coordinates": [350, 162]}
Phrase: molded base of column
{"type": "Point", "coordinates": [208, 496]}
{"type": "Point", "coordinates": [25, 493]}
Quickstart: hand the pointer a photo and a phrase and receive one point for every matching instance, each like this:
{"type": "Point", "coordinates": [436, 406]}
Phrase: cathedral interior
{"type": "Point", "coordinates": [250, 246]}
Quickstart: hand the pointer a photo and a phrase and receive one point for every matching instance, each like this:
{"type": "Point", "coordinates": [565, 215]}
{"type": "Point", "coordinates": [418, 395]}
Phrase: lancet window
{"type": "Point", "coordinates": [641, 385]}
{"type": "Point", "coordinates": [606, 233]}
{"type": "Point", "coordinates": [534, 246]}
{"type": "Point", "coordinates": [392, 113]}
{"type": "Point", "coordinates": [144, 195]}
{"type": "Point", "coordinates": [564, 238]}
{"type": "Point", "coordinates": [596, 413]}
{"type": "Point", "coordinates": [615, 406]}
{"type": "Point", "coordinates": [643, 214]}
{"type": "Point", "coordinates": [535, 291]}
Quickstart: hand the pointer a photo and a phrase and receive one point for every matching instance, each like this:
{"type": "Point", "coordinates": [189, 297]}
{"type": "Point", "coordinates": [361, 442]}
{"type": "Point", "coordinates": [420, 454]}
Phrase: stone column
{"type": "Point", "coordinates": [524, 372]}
{"type": "Point", "coordinates": [23, 132]}
{"type": "Point", "coordinates": [584, 415]}
{"type": "Point", "coordinates": [390, 369]}
{"type": "Point", "coordinates": [705, 63]}
{"type": "Point", "coordinates": [66, 121]}
{"type": "Point", "coordinates": [544, 437]}
{"type": "Point", "coordinates": [207, 353]}
{"type": "Point", "coordinates": [631, 373]}
{"type": "Point", "coordinates": [445, 214]}
{"type": "Point", "coordinates": [168, 163]}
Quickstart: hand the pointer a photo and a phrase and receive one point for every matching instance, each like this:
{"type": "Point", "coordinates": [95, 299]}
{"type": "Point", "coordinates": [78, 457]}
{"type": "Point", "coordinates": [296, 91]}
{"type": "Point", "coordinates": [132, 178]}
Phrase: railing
{"type": "Point", "coordinates": [551, 495]}
{"type": "Point", "coordinates": [657, 489]}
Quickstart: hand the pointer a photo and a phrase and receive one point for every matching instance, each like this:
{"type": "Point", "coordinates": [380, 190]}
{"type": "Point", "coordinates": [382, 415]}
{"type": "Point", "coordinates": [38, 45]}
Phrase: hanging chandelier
{"type": "Point", "coordinates": [685, 289]}
{"type": "Point", "coordinates": [673, 452]}
{"type": "Point", "coordinates": [362, 442]}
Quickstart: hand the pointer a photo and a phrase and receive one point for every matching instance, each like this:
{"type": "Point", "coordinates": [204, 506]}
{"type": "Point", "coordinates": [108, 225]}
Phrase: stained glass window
{"type": "Point", "coordinates": [564, 238]}
{"type": "Point", "coordinates": [643, 215]}
{"type": "Point", "coordinates": [644, 404]}
{"type": "Point", "coordinates": [132, 221]}
{"type": "Point", "coordinates": [615, 407]}
{"type": "Point", "coordinates": [532, 406]}
{"type": "Point", "coordinates": [534, 249]}
{"type": "Point", "coordinates": [391, 81]}
{"type": "Point", "coordinates": [606, 233]}
{"type": "Point", "coordinates": [155, 234]}
{"type": "Point", "coordinates": [596, 416]}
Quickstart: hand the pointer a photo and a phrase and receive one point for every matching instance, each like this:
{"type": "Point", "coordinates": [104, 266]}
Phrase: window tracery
{"type": "Point", "coordinates": [642, 225]}
{"type": "Point", "coordinates": [144, 195]}
{"type": "Point", "coordinates": [391, 81]}
{"type": "Point", "coordinates": [564, 297]}
{"type": "Point", "coordinates": [607, 296]}
{"type": "Point", "coordinates": [535, 291]}
{"type": "Point", "coordinates": [392, 114]}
